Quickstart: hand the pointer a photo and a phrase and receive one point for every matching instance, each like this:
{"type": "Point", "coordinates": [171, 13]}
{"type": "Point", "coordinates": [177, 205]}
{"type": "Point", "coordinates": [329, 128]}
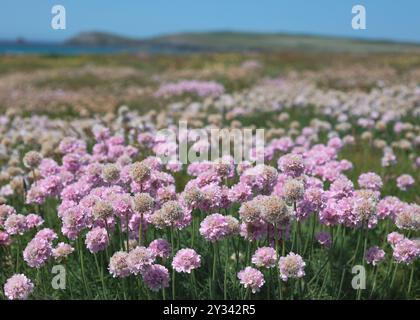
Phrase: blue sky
{"type": "Point", "coordinates": [386, 19]}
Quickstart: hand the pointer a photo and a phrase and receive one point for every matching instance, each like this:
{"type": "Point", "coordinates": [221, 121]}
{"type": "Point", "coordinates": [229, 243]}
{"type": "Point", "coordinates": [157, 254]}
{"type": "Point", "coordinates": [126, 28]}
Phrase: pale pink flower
{"type": "Point", "coordinates": [251, 278]}
{"type": "Point", "coordinates": [186, 260]}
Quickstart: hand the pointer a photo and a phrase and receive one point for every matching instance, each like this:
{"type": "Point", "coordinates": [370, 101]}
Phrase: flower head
{"type": "Point", "coordinates": [186, 260]}
{"type": "Point", "coordinates": [405, 182]}
{"type": "Point", "coordinates": [5, 239]}
{"type": "Point", "coordinates": [172, 212]}
{"type": "Point", "coordinates": [32, 159]}
{"type": "Point", "coordinates": [406, 251]}
{"type": "Point", "coordinates": [33, 221]}
{"type": "Point", "coordinates": [160, 248]}
{"type": "Point", "coordinates": [47, 234]}
{"type": "Point", "coordinates": [291, 266]}
{"type": "Point", "coordinates": [15, 224]}
{"type": "Point", "coordinates": [374, 255]}
{"type": "Point", "coordinates": [214, 227]}
{"type": "Point", "coordinates": [324, 239]}
{"type": "Point", "coordinates": [5, 211]}
{"type": "Point", "coordinates": [156, 277]}
{"type": "Point", "coordinates": [37, 252]}
{"type": "Point", "coordinates": [118, 265]}
{"type": "Point", "coordinates": [139, 258]}
{"type": "Point", "coordinates": [251, 278]}
{"type": "Point", "coordinates": [293, 190]}
{"type": "Point", "coordinates": [409, 217]}
{"type": "Point", "coordinates": [110, 173]}
{"type": "Point", "coordinates": [97, 239]}
{"type": "Point", "coordinates": [394, 237]}
{"type": "Point", "coordinates": [291, 164]}
{"type": "Point", "coordinates": [102, 210]}
{"type": "Point", "coordinates": [62, 251]}
{"type": "Point", "coordinates": [140, 172]}
{"type": "Point", "coordinates": [370, 180]}
{"type": "Point", "coordinates": [143, 202]}
{"type": "Point", "coordinates": [18, 287]}
{"type": "Point", "coordinates": [273, 209]}
{"type": "Point", "coordinates": [265, 257]}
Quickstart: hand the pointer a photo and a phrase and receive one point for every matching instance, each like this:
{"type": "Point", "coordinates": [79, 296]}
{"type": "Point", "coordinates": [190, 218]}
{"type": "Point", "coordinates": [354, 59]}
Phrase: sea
{"type": "Point", "coordinates": [58, 49]}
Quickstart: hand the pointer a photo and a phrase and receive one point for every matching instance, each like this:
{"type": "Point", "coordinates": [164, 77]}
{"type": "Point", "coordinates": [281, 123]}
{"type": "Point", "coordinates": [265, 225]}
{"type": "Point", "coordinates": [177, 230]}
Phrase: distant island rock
{"type": "Point", "coordinates": [101, 39]}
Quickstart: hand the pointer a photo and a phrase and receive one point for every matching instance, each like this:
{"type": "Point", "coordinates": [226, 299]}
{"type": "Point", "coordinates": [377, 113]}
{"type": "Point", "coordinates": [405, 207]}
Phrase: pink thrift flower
{"type": "Point", "coordinates": [62, 251]}
{"type": "Point", "coordinates": [156, 277]}
{"type": "Point", "coordinates": [265, 257]}
{"type": "Point", "coordinates": [118, 265]}
{"type": "Point", "coordinates": [405, 182]}
{"type": "Point", "coordinates": [214, 227]}
{"type": "Point", "coordinates": [335, 143]}
{"type": "Point", "coordinates": [46, 234]}
{"type": "Point", "coordinates": [251, 278]}
{"type": "Point", "coordinates": [139, 259]}
{"type": "Point", "coordinates": [48, 167]}
{"type": "Point", "coordinates": [332, 214]}
{"type": "Point", "coordinates": [37, 252]}
{"type": "Point", "coordinates": [15, 224]}
{"type": "Point", "coordinates": [211, 197]}
{"type": "Point", "coordinates": [18, 287]}
{"type": "Point", "coordinates": [73, 221]}
{"type": "Point", "coordinates": [406, 251]}
{"type": "Point", "coordinates": [374, 255]}
{"type": "Point", "coordinates": [5, 212]}
{"type": "Point", "coordinates": [370, 181]}
{"type": "Point", "coordinates": [261, 178]}
{"type": "Point", "coordinates": [291, 165]}
{"type": "Point", "coordinates": [5, 239]}
{"type": "Point", "coordinates": [70, 145]}
{"type": "Point", "coordinates": [394, 237]}
{"type": "Point", "coordinates": [97, 239]}
{"type": "Point", "coordinates": [389, 207]}
{"type": "Point", "coordinates": [240, 192]}
{"type": "Point", "coordinates": [254, 230]}
{"type": "Point", "coordinates": [201, 88]}
{"type": "Point", "coordinates": [186, 260]}
{"type": "Point", "coordinates": [341, 187]}
{"type": "Point", "coordinates": [33, 221]}
{"type": "Point", "coordinates": [160, 248]}
{"type": "Point", "coordinates": [324, 239]}
{"type": "Point", "coordinates": [409, 217]}
{"type": "Point", "coordinates": [291, 266]}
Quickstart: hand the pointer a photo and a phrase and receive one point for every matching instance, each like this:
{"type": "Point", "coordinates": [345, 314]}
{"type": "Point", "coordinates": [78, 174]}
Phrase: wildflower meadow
{"type": "Point", "coordinates": [103, 196]}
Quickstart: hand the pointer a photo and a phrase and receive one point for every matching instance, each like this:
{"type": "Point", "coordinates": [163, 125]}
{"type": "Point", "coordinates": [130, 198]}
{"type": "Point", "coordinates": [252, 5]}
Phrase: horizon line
{"type": "Point", "coordinates": [159, 35]}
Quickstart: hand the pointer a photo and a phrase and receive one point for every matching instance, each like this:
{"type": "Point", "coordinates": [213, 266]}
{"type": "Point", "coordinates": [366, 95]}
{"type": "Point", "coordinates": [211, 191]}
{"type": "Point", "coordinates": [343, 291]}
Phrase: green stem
{"type": "Point", "coordinates": [410, 282]}
{"type": "Point", "coordinates": [375, 274]}
{"type": "Point", "coordinates": [341, 283]}
{"type": "Point", "coordinates": [82, 266]}
{"type": "Point", "coordinates": [194, 283]}
{"type": "Point", "coordinates": [276, 235]}
{"type": "Point", "coordinates": [359, 292]}
{"type": "Point", "coordinates": [192, 231]}
{"type": "Point", "coordinates": [213, 277]}
{"type": "Point", "coordinates": [226, 270]}
{"type": "Point", "coordinates": [393, 276]}
{"type": "Point", "coordinates": [357, 248]}
{"type": "Point", "coordinates": [173, 270]}
{"type": "Point", "coordinates": [101, 274]}
{"type": "Point", "coordinates": [311, 237]}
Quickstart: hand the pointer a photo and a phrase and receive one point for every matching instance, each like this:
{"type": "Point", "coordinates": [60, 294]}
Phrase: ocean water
{"type": "Point", "coordinates": [56, 49]}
